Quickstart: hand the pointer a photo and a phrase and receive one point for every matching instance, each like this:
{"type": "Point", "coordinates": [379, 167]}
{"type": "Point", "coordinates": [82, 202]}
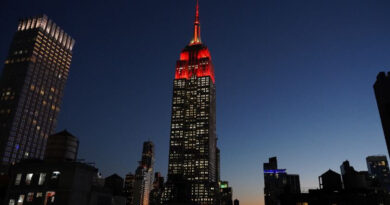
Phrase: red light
{"type": "Point", "coordinates": [204, 53]}
{"type": "Point", "coordinates": [186, 66]}
{"type": "Point", "coordinates": [195, 59]}
{"type": "Point", "coordinates": [184, 56]}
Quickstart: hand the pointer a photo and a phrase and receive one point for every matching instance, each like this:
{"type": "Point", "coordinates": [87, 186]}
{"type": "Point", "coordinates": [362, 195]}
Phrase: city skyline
{"type": "Point", "coordinates": [324, 77]}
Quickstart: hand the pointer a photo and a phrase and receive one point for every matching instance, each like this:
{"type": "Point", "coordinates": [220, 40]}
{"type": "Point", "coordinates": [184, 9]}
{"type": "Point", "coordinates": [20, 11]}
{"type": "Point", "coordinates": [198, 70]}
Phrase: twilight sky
{"type": "Point", "coordinates": [294, 80]}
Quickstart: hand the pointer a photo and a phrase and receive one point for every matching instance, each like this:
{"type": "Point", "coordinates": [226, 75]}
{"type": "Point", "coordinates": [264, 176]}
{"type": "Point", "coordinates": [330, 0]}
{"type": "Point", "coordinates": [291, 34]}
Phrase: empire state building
{"type": "Point", "coordinates": [193, 163]}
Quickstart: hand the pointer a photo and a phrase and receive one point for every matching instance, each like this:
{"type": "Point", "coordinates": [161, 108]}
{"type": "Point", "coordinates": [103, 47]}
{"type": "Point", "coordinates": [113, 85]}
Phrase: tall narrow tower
{"type": "Point", "coordinates": [192, 169]}
{"type": "Point", "coordinates": [144, 175]}
{"type": "Point", "coordinates": [31, 87]}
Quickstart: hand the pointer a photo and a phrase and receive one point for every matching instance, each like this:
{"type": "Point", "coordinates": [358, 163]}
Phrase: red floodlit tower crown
{"type": "Point", "coordinates": [195, 58]}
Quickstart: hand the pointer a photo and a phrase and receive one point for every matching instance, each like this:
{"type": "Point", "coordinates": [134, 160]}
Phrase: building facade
{"type": "Point", "coordinates": [277, 183]}
{"type": "Point", "coordinates": [378, 169]}
{"type": "Point", "coordinates": [40, 182]}
{"type": "Point", "coordinates": [31, 87]}
{"type": "Point", "coordinates": [192, 169]}
{"type": "Point", "coordinates": [226, 193]}
{"type": "Point", "coordinates": [144, 175]}
{"type": "Point", "coordinates": [128, 190]}
{"type": "Point", "coordinates": [158, 188]}
{"type": "Point", "coordinates": [53, 180]}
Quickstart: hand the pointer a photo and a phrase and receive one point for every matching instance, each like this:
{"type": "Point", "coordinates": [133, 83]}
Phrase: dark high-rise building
{"type": "Point", "coordinates": [31, 87]}
{"type": "Point", "coordinates": [144, 175]}
{"type": "Point", "coordinates": [158, 188]}
{"type": "Point", "coordinates": [128, 190]}
{"type": "Point", "coordinates": [147, 155]}
{"type": "Point", "coordinates": [236, 202]}
{"type": "Point", "coordinates": [158, 182]}
{"type": "Point", "coordinates": [192, 169]}
{"type": "Point", "coordinates": [378, 169]}
{"type": "Point", "coordinates": [226, 193]}
{"type": "Point", "coordinates": [382, 94]}
{"type": "Point", "coordinates": [277, 183]}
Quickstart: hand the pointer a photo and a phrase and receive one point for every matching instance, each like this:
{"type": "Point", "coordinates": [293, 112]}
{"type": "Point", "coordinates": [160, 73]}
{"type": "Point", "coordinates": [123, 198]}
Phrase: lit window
{"type": "Point", "coordinates": [21, 199]}
{"type": "Point", "coordinates": [18, 179]}
{"type": "Point", "coordinates": [11, 202]}
{"type": "Point", "coordinates": [28, 178]}
{"type": "Point", "coordinates": [55, 174]}
{"type": "Point", "coordinates": [42, 177]}
{"type": "Point", "coordinates": [30, 196]}
{"type": "Point", "coordinates": [50, 196]}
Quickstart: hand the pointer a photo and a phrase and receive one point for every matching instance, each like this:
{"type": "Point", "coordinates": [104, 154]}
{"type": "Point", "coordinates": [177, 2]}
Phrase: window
{"type": "Point", "coordinates": [18, 179]}
{"type": "Point", "coordinates": [42, 177]}
{"type": "Point", "coordinates": [55, 174]}
{"type": "Point", "coordinates": [30, 196]}
{"type": "Point", "coordinates": [20, 200]}
{"type": "Point", "coordinates": [28, 178]}
{"type": "Point", "coordinates": [50, 196]}
{"type": "Point", "coordinates": [11, 202]}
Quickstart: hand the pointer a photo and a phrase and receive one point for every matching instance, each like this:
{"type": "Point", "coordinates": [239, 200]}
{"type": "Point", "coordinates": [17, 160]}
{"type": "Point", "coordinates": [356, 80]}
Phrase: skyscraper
{"type": "Point", "coordinates": [144, 175]}
{"type": "Point", "coordinates": [382, 94]}
{"type": "Point", "coordinates": [192, 169]}
{"type": "Point", "coordinates": [158, 188]}
{"type": "Point", "coordinates": [128, 190]}
{"type": "Point", "coordinates": [31, 87]}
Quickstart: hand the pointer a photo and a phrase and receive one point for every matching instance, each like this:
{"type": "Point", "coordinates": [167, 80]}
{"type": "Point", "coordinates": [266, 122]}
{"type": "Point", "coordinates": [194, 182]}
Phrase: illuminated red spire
{"type": "Point", "coordinates": [196, 39]}
{"type": "Point", "coordinates": [195, 58]}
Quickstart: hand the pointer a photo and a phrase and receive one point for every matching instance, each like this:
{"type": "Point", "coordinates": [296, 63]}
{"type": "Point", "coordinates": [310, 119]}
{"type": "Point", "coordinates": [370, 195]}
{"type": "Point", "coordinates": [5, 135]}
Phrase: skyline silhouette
{"type": "Point", "coordinates": [294, 80]}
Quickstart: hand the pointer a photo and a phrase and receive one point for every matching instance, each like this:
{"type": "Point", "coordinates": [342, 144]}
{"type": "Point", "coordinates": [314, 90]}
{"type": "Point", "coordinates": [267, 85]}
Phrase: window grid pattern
{"type": "Point", "coordinates": [192, 138]}
{"type": "Point", "coordinates": [31, 92]}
